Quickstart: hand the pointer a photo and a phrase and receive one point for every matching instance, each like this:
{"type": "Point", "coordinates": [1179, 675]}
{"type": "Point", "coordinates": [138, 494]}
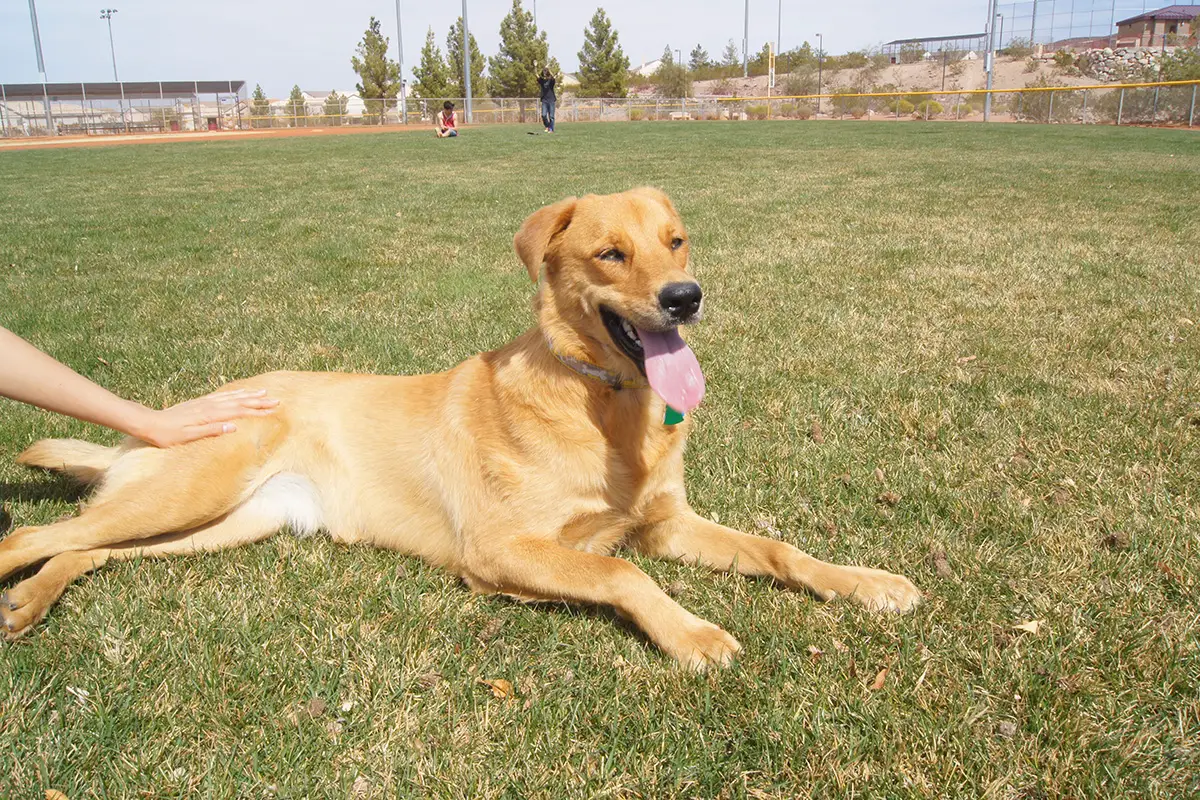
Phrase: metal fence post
{"type": "Point", "coordinates": [1083, 113]}
{"type": "Point", "coordinates": [1120, 106]}
{"type": "Point", "coordinates": [1050, 114]}
{"type": "Point", "coordinates": [575, 108]}
{"type": "Point", "coordinates": [1154, 118]}
{"type": "Point", "coordinates": [1192, 112]}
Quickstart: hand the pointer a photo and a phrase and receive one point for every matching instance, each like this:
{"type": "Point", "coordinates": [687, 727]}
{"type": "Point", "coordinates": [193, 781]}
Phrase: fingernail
{"type": "Point", "coordinates": [228, 427]}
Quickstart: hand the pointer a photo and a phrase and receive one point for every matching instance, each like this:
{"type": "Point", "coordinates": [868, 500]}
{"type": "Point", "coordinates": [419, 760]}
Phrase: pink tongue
{"type": "Point", "coordinates": [672, 369]}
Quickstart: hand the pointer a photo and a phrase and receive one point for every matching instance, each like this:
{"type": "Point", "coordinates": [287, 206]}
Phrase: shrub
{"type": "Point", "coordinates": [804, 111]}
{"type": "Point", "coordinates": [724, 88]}
{"type": "Point", "coordinates": [1032, 64]}
{"type": "Point", "coordinates": [881, 61]}
{"type": "Point", "coordinates": [843, 103]}
{"type": "Point", "coordinates": [1018, 48]}
{"type": "Point", "coordinates": [787, 110]}
{"type": "Point", "coordinates": [801, 81]}
{"type": "Point", "coordinates": [1035, 106]}
{"type": "Point", "coordinates": [927, 108]}
{"type": "Point", "coordinates": [1064, 58]}
{"type": "Point", "coordinates": [854, 60]}
{"type": "Point", "coordinates": [756, 112]}
{"type": "Point", "coordinates": [858, 113]}
{"type": "Point", "coordinates": [891, 103]}
{"type": "Point", "coordinates": [635, 114]}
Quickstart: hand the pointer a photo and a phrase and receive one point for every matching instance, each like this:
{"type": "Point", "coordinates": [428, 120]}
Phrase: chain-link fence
{"type": "Point", "coordinates": [1166, 103]}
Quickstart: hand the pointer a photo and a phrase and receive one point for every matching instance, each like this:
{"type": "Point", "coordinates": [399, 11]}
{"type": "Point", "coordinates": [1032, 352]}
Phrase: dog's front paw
{"type": "Point", "coordinates": [699, 645]}
{"type": "Point", "coordinates": [20, 610]}
{"type": "Point", "coordinates": [881, 591]}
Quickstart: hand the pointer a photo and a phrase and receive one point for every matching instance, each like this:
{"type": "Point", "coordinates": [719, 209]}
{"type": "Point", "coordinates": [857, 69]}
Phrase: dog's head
{"type": "Point", "coordinates": [616, 282]}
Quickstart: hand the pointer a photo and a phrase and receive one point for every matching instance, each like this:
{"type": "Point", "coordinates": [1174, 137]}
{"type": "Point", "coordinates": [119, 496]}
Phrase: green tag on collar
{"type": "Point", "coordinates": [672, 417]}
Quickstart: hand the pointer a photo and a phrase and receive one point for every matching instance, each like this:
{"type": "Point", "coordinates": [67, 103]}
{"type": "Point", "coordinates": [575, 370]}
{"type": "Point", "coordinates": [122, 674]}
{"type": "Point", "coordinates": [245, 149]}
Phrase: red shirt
{"type": "Point", "coordinates": [448, 120]}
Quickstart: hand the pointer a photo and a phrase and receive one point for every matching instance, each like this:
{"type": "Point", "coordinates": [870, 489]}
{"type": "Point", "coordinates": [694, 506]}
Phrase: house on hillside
{"type": "Point", "coordinates": [1158, 28]}
{"type": "Point", "coordinates": [352, 104]}
{"type": "Point", "coordinates": [647, 68]}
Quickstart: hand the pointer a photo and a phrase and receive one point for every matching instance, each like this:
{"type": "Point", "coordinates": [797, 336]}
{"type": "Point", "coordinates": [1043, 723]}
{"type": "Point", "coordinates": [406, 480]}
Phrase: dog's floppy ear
{"type": "Point", "coordinates": [533, 240]}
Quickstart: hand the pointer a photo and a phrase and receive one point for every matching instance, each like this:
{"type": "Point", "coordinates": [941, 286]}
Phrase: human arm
{"type": "Point", "coordinates": [30, 376]}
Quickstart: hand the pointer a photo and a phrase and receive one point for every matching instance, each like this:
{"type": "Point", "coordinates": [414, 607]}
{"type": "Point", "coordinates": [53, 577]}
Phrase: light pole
{"type": "Point", "coordinates": [820, 62]}
{"type": "Point", "coordinates": [41, 65]}
{"type": "Point", "coordinates": [746, 44]}
{"type": "Point", "coordinates": [1033, 24]}
{"type": "Point", "coordinates": [400, 47]}
{"type": "Point", "coordinates": [466, 46]}
{"type": "Point", "coordinates": [990, 59]}
{"type": "Point", "coordinates": [679, 57]}
{"type": "Point", "coordinates": [1000, 36]}
{"type": "Point", "coordinates": [106, 14]}
{"type": "Point", "coordinates": [779, 28]}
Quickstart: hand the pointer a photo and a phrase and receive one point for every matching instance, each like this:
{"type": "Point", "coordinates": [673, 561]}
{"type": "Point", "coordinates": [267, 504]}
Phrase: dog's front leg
{"type": "Point", "coordinates": [684, 535]}
{"type": "Point", "coordinates": [539, 569]}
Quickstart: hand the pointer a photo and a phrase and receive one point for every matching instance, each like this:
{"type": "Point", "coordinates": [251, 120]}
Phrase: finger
{"type": "Point", "coordinates": [209, 430]}
{"type": "Point", "coordinates": [238, 392]}
{"type": "Point", "coordinates": [258, 402]}
{"type": "Point", "coordinates": [228, 410]}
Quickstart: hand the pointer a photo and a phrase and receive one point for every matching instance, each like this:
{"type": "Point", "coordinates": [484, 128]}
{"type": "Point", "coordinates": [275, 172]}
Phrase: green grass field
{"type": "Point", "coordinates": [994, 329]}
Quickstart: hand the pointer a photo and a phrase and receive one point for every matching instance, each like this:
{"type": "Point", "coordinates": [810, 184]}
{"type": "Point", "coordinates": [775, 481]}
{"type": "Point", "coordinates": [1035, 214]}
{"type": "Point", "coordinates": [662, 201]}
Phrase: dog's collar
{"type": "Point", "coordinates": [595, 372]}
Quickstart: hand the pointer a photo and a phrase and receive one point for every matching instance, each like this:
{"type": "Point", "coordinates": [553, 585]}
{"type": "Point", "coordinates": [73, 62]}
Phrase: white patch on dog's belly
{"type": "Point", "coordinates": [293, 500]}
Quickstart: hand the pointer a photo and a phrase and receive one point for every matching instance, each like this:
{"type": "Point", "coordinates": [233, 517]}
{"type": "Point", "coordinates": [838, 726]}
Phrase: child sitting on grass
{"type": "Point", "coordinates": [445, 122]}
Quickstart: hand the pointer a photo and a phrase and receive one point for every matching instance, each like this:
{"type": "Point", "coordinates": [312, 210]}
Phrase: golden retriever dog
{"type": "Point", "coordinates": [522, 469]}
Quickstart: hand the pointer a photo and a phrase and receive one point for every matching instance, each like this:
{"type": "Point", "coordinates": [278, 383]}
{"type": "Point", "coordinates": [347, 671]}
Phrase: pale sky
{"type": "Point", "coordinates": [279, 43]}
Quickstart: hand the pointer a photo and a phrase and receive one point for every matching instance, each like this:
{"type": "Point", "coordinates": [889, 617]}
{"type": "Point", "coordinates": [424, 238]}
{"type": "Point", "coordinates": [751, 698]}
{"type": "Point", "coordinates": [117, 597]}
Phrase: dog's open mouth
{"type": "Point", "coordinates": [670, 366]}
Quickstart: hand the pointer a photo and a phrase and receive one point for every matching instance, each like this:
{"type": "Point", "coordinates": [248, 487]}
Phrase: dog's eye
{"type": "Point", "coordinates": [676, 243]}
{"type": "Point", "coordinates": [612, 254]}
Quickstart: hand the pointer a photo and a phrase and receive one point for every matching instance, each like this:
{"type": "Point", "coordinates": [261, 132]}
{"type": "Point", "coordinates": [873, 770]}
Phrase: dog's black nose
{"type": "Point", "coordinates": [680, 300]}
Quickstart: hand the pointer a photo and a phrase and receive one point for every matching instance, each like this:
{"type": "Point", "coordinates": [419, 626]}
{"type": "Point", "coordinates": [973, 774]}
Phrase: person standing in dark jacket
{"type": "Point", "coordinates": [546, 84]}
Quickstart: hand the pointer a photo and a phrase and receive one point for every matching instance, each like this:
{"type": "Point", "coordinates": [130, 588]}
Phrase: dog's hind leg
{"type": "Point", "coordinates": [25, 604]}
{"type": "Point", "coordinates": [147, 491]}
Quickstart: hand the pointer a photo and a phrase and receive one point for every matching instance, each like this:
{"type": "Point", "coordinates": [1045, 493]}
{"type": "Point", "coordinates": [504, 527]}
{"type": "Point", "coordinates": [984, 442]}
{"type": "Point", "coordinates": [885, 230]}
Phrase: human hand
{"type": "Point", "coordinates": [201, 418]}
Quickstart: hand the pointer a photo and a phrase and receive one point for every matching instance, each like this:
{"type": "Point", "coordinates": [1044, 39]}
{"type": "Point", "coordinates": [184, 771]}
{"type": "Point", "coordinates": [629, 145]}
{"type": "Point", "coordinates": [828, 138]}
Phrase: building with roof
{"type": "Point", "coordinates": [33, 109]}
{"type": "Point", "coordinates": [899, 49]}
{"type": "Point", "coordinates": [1165, 26]}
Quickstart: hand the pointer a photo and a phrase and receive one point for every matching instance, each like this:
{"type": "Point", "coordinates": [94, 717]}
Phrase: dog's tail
{"type": "Point", "coordinates": [83, 461]}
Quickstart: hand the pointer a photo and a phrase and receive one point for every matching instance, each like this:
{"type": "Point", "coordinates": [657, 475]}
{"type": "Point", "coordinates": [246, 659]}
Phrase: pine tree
{"type": "Point", "coordinates": [671, 79]}
{"type": "Point", "coordinates": [380, 75]}
{"type": "Point", "coordinates": [335, 107]}
{"type": "Point", "coordinates": [455, 60]}
{"type": "Point", "coordinates": [260, 106]}
{"type": "Point", "coordinates": [295, 105]}
{"type": "Point", "coordinates": [523, 52]}
{"type": "Point", "coordinates": [603, 66]}
{"type": "Point", "coordinates": [433, 77]}
{"type": "Point", "coordinates": [731, 57]}
{"type": "Point", "coordinates": [699, 59]}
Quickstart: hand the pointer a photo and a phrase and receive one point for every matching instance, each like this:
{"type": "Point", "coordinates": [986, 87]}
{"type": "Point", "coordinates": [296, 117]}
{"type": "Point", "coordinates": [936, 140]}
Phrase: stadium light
{"type": "Point", "coordinates": [106, 14]}
{"type": "Point", "coordinates": [400, 46]}
{"type": "Point", "coordinates": [41, 65]}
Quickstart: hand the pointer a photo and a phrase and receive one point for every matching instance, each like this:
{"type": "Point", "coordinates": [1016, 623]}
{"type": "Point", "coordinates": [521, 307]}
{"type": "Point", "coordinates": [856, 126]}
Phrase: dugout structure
{"type": "Point", "coordinates": [51, 109]}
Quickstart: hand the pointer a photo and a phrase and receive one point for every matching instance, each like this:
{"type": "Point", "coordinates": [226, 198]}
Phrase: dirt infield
{"type": "Point", "coordinates": [44, 142]}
